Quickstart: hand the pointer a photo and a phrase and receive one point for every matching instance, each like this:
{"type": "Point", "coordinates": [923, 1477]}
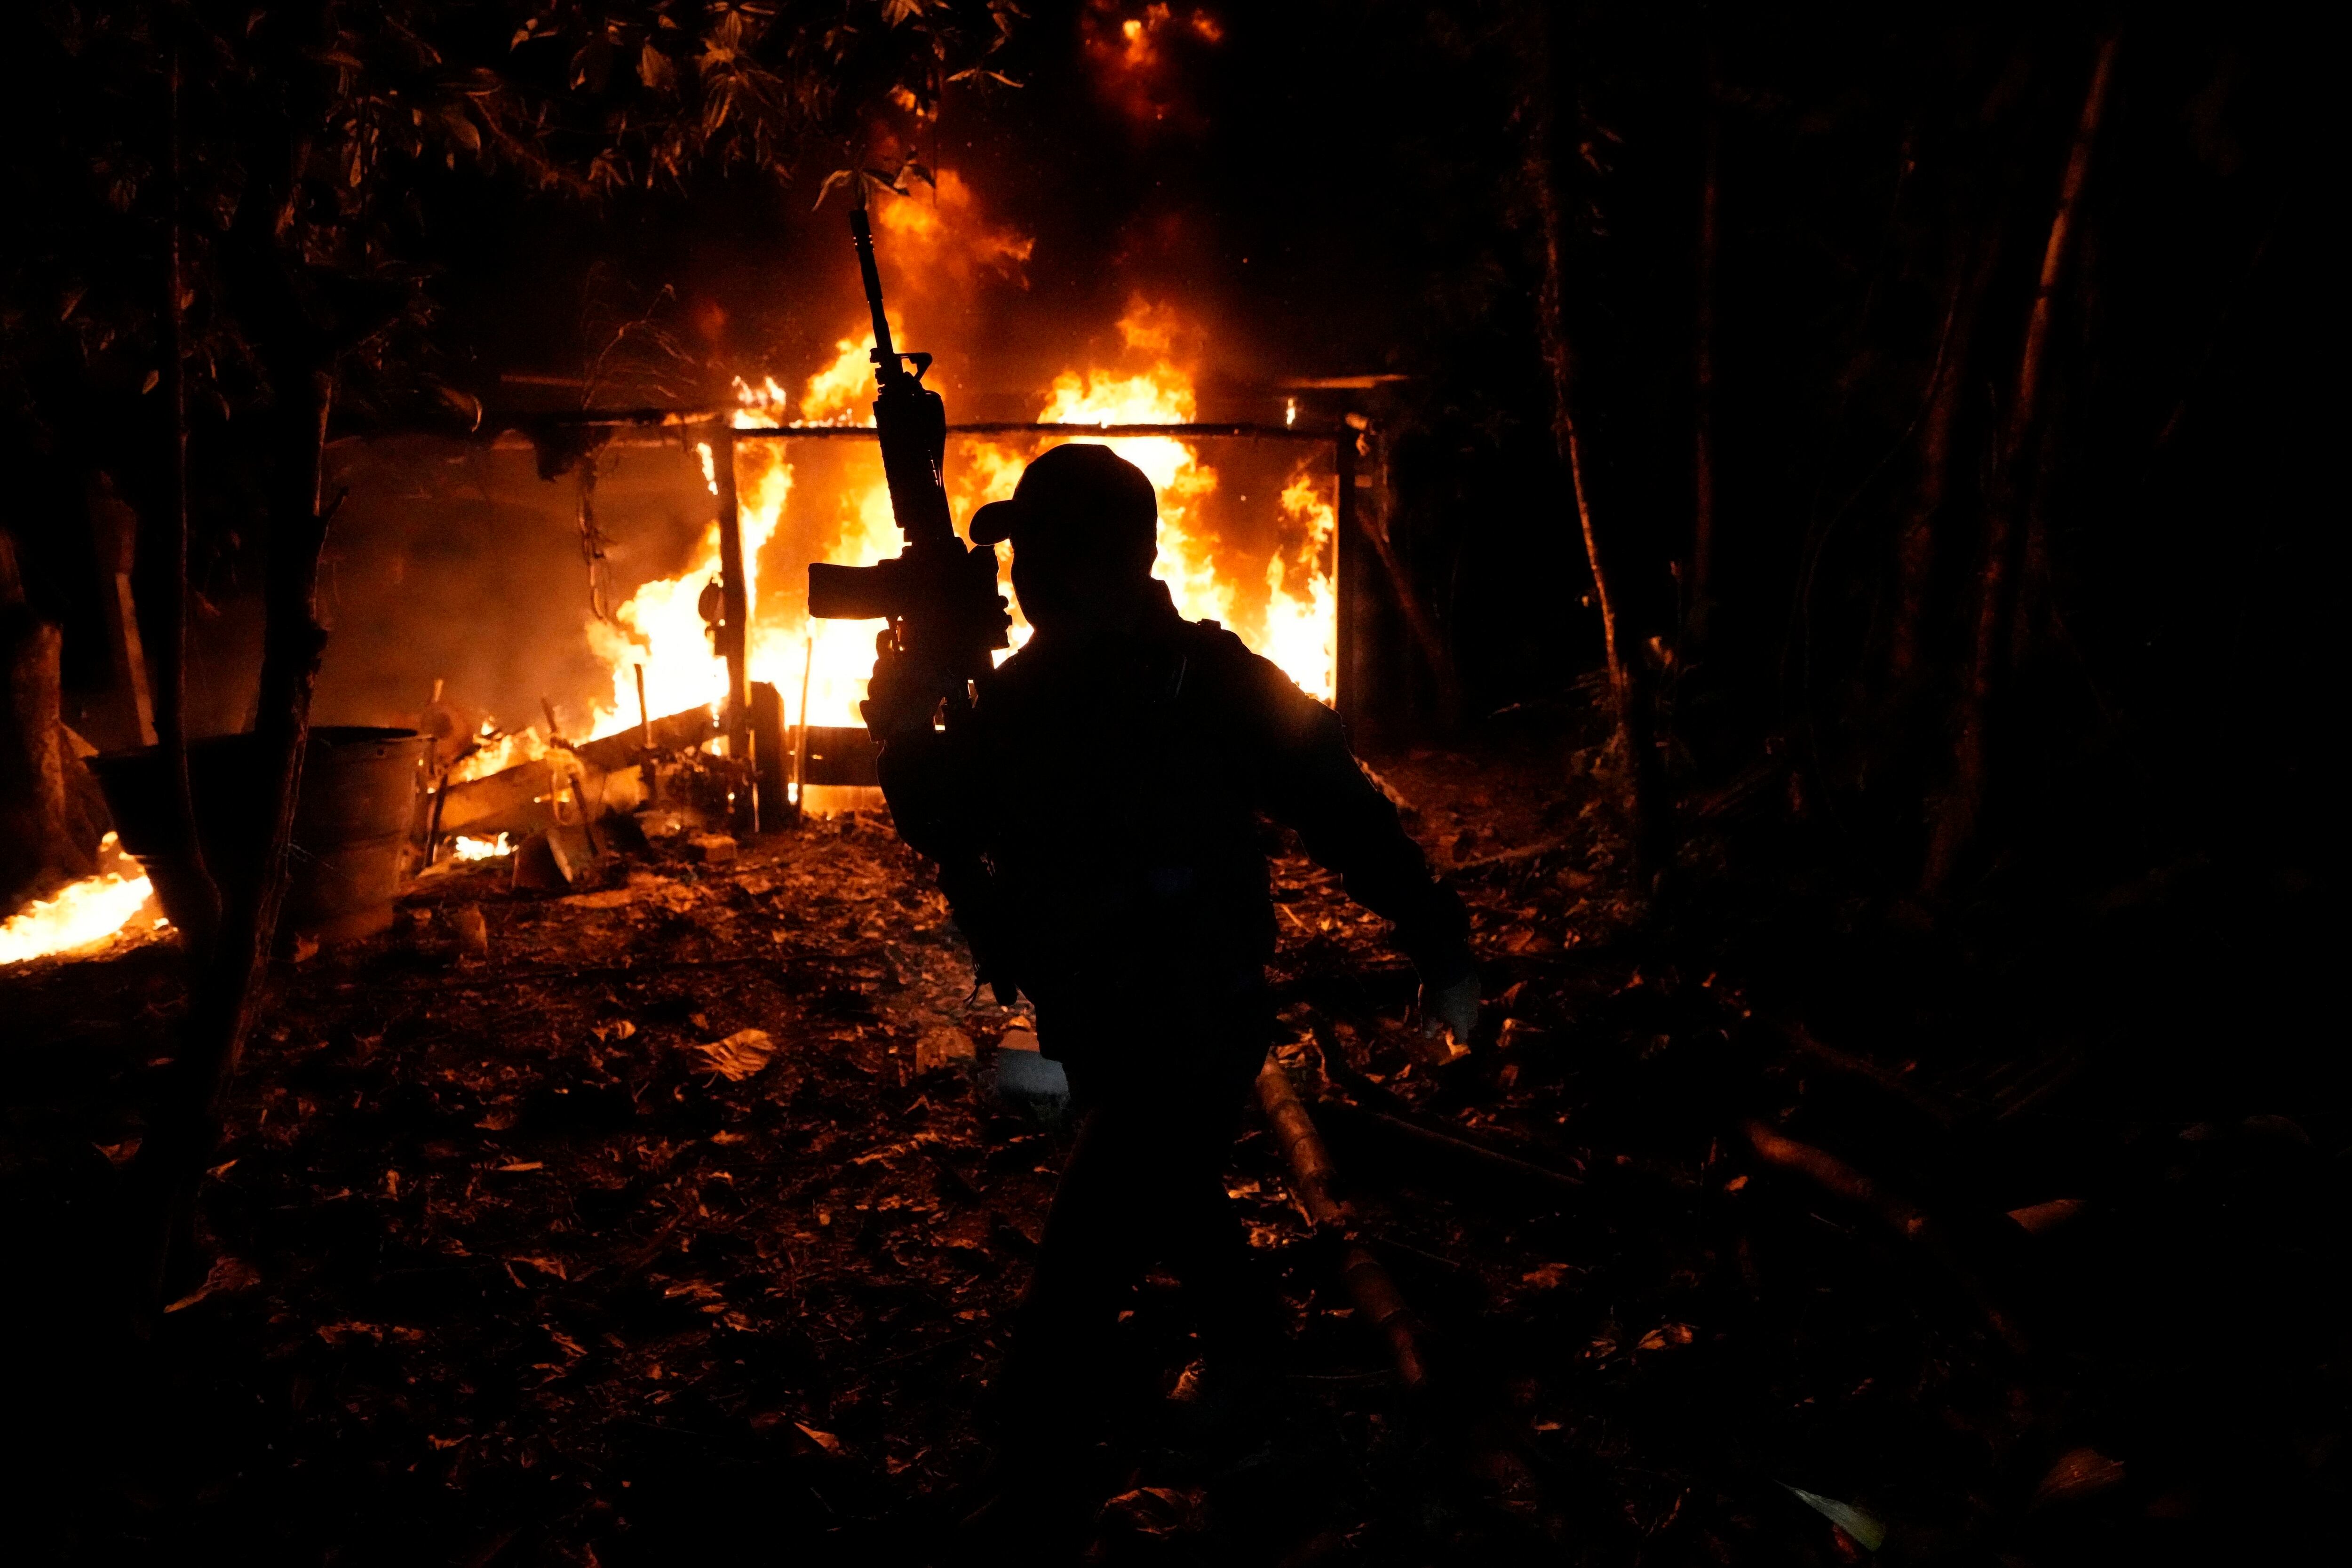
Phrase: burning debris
{"type": "Point", "coordinates": [85, 918]}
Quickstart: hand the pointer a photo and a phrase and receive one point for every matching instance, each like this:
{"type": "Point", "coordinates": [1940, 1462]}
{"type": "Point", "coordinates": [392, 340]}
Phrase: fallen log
{"type": "Point", "coordinates": [1368, 1281]}
{"type": "Point", "coordinates": [1841, 1180]}
{"type": "Point", "coordinates": [675, 733]}
{"type": "Point", "coordinates": [1803, 1042]}
{"type": "Point", "coordinates": [1463, 1152]}
{"type": "Point", "coordinates": [521, 800]}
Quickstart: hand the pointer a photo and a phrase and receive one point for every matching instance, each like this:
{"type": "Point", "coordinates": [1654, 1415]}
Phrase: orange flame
{"type": "Point", "coordinates": [661, 626]}
{"type": "Point", "coordinates": [1302, 625]}
{"type": "Point", "coordinates": [495, 752]}
{"type": "Point", "coordinates": [1297, 625]}
{"type": "Point", "coordinates": [1293, 620]}
{"type": "Point", "coordinates": [83, 916]}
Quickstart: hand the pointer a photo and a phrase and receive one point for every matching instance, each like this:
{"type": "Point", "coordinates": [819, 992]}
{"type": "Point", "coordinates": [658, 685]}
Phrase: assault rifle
{"type": "Point", "coordinates": [939, 599]}
{"type": "Point", "coordinates": [946, 617]}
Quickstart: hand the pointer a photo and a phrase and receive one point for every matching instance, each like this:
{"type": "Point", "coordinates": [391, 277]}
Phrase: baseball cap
{"type": "Point", "coordinates": [1078, 485]}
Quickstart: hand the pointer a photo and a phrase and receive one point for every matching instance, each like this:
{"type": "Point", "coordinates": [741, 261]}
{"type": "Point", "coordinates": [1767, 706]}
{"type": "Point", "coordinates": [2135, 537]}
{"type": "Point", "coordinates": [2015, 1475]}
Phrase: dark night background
{"type": "Point", "coordinates": [2138, 903]}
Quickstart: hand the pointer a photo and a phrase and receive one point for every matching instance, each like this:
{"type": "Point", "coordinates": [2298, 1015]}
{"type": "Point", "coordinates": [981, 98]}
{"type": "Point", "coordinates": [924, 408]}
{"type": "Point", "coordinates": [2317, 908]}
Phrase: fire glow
{"type": "Point", "coordinates": [82, 917]}
{"type": "Point", "coordinates": [494, 753]}
{"type": "Point", "coordinates": [1283, 604]}
{"type": "Point", "coordinates": [824, 499]}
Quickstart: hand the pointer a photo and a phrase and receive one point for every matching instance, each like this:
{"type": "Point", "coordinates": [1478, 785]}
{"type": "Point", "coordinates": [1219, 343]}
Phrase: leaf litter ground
{"type": "Point", "coordinates": [687, 1221]}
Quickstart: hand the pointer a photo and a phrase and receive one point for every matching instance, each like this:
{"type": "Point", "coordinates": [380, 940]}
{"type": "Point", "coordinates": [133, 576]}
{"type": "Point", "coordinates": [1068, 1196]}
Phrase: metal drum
{"type": "Point", "coordinates": [352, 822]}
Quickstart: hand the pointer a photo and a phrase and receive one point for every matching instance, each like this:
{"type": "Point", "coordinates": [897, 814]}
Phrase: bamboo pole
{"type": "Point", "coordinates": [1962, 804]}
{"type": "Point", "coordinates": [1368, 1281]}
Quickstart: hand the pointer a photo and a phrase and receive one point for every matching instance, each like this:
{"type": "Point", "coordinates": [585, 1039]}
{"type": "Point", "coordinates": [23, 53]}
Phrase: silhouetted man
{"type": "Point", "coordinates": [1100, 820]}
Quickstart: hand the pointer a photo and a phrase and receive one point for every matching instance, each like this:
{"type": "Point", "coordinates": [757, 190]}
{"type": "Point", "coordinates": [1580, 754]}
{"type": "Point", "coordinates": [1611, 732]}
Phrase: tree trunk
{"type": "Point", "coordinates": [167, 648]}
{"type": "Point", "coordinates": [1962, 805]}
{"type": "Point", "coordinates": [1643, 786]}
{"type": "Point", "coordinates": [42, 836]}
{"type": "Point", "coordinates": [1915, 546]}
{"type": "Point", "coordinates": [227, 992]}
{"type": "Point", "coordinates": [1702, 580]}
{"type": "Point", "coordinates": [2034, 610]}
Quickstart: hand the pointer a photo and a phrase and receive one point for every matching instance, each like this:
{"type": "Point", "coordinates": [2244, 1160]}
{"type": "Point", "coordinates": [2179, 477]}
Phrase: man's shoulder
{"type": "Point", "coordinates": [1211, 639]}
{"type": "Point", "coordinates": [1196, 640]}
{"type": "Point", "coordinates": [1225, 674]}
{"type": "Point", "coordinates": [1217, 661]}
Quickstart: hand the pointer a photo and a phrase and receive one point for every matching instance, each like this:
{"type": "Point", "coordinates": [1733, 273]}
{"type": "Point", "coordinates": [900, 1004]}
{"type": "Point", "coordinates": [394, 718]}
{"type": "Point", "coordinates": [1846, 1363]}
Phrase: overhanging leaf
{"type": "Point", "coordinates": [833, 181]}
{"type": "Point", "coordinates": [655, 68]}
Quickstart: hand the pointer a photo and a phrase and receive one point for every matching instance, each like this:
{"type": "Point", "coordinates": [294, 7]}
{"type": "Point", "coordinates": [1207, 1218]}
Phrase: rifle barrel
{"type": "Point", "coordinates": [861, 234]}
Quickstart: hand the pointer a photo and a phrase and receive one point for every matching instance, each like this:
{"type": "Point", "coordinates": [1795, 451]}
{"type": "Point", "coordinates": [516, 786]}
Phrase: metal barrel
{"type": "Point", "coordinates": [352, 822]}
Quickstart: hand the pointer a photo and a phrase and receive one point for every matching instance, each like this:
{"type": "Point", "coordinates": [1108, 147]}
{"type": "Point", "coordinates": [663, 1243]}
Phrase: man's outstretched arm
{"type": "Point", "coordinates": [1313, 785]}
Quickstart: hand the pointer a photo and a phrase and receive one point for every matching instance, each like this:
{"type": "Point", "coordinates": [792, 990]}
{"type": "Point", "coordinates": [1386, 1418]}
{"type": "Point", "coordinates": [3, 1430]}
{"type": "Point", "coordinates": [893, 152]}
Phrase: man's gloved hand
{"type": "Point", "coordinates": [900, 695]}
{"type": "Point", "coordinates": [1452, 1009]}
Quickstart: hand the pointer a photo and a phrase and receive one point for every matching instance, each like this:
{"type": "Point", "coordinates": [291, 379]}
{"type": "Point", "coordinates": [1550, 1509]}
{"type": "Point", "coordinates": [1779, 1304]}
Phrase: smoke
{"type": "Point", "coordinates": [453, 561]}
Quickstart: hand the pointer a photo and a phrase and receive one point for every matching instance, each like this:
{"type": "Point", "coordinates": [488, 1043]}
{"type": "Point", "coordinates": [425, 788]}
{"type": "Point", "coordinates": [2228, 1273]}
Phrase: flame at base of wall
{"type": "Point", "coordinates": [85, 917]}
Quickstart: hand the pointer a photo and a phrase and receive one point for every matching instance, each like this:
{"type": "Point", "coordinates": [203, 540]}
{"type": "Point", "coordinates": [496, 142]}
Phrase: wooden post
{"type": "Point", "coordinates": [115, 530]}
{"type": "Point", "coordinates": [1349, 682]}
{"type": "Point", "coordinates": [1357, 522]}
{"type": "Point", "coordinates": [735, 598]}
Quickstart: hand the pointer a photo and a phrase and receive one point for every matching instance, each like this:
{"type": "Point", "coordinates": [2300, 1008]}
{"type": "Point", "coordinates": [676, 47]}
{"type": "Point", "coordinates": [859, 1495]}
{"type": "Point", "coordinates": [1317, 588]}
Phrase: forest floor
{"type": "Point", "coordinates": [533, 1256]}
